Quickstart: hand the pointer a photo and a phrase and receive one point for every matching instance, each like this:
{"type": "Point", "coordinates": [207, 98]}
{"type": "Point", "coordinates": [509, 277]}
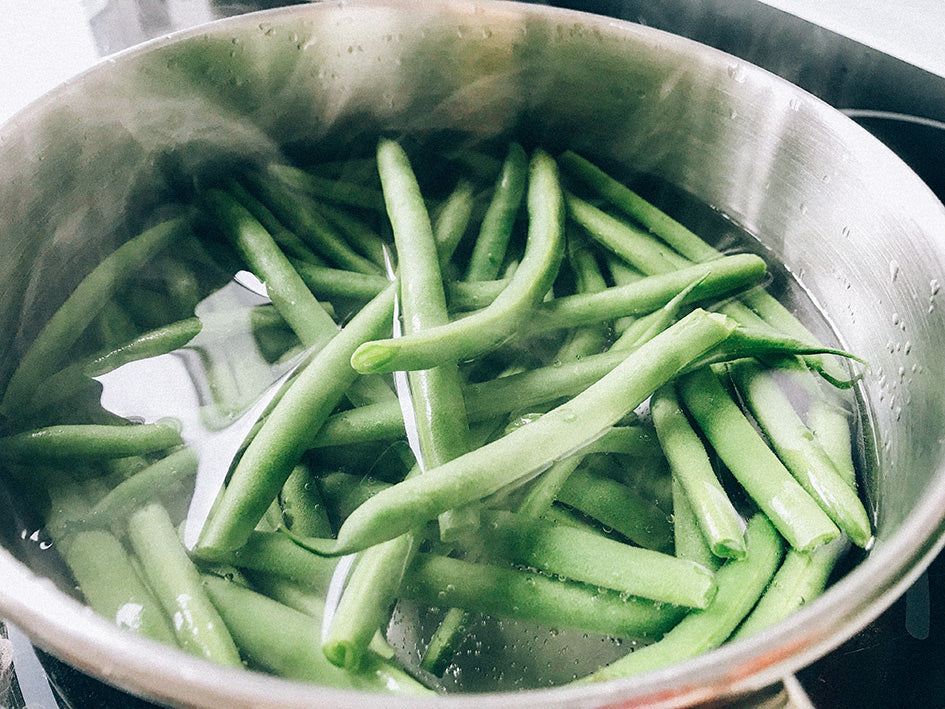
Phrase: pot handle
{"type": "Point", "coordinates": [787, 694]}
{"type": "Point", "coordinates": [794, 694]}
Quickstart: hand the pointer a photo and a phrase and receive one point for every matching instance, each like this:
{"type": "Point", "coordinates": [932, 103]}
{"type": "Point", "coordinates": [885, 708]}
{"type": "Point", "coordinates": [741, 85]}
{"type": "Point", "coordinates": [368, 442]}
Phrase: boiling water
{"type": "Point", "coordinates": [221, 381]}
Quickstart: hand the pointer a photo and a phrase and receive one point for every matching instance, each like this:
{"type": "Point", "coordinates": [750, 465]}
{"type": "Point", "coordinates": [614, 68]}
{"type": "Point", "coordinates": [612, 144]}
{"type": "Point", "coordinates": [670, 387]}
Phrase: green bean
{"type": "Point", "coordinates": [85, 441]}
{"type": "Point", "coordinates": [327, 282]}
{"type": "Point", "coordinates": [720, 523]}
{"type": "Point", "coordinates": [344, 492]}
{"type": "Point", "coordinates": [452, 220]}
{"type": "Point", "coordinates": [655, 220]}
{"type": "Point", "coordinates": [586, 557]}
{"type": "Point", "coordinates": [333, 190]}
{"type": "Point", "coordinates": [47, 352]}
{"type": "Point", "coordinates": [176, 584]}
{"type": "Point", "coordinates": [272, 553]}
{"type": "Point", "coordinates": [638, 248]}
{"type": "Point", "coordinates": [111, 586]}
{"type": "Point", "coordinates": [829, 423]}
{"type": "Point", "coordinates": [365, 603]}
{"type": "Point", "coordinates": [482, 331]}
{"type": "Point", "coordinates": [279, 638]}
{"type": "Point", "coordinates": [289, 242]}
{"type": "Point", "coordinates": [442, 426]}
{"type": "Point", "coordinates": [278, 446]}
{"type": "Point", "coordinates": [618, 507]}
{"type": "Point", "coordinates": [72, 378]}
{"type": "Point", "coordinates": [800, 579]}
{"type": "Point", "coordinates": [303, 219]}
{"type": "Point", "coordinates": [530, 388]}
{"type": "Point", "coordinates": [303, 509]}
{"type": "Point", "coordinates": [464, 295]}
{"type": "Point", "coordinates": [758, 470]}
{"type": "Point", "coordinates": [439, 652]}
{"type": "Point", "coordinates": [508, 593]}
{"type": "Point", "coordinates": [688, 540]}
{"type": "Point", "coordinates": [527, 450]}
{"type": "Point", "coordinates": [740, 584]}
{"type": "Point", "coordinates": [692, 247]}
{"type": "Point", "coordinates": [285, 287]}
{"type": "Point", "coordinates": [363, 239]}
{"type": "Point", "coordinates": [495, 229]}
{"type": "Point", "coordinates": [591, 339]}
{"type": "Point", "coordinates": [148, 483]}
{"type": "Point", "coordinates": [377, 574]}
{"type": "Point", "coordinates": [800, 452]}
{"type": "Point", "coordinates": [699, 282]}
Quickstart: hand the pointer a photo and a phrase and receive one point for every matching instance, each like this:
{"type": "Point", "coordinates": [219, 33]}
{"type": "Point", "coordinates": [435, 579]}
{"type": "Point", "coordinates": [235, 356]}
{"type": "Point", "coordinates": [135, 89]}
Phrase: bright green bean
{"type": "Point", "coordinates": [383, 421]}
{"type": "Point", "coordinates": [341, 191]}
{"type": "Point", "coordinates": [279, 638]}
{"type": "Point", "coordinates": [586, 557]}
{"type": "Point", "coordinates": [495, 230]}
{"type": "Point", "coordinates": [758, 470]}
{"type": "Point", "coordinates": [149, 483]}
{"type": "Point", "coordinates": [278, 446]}
{"type": "Point", "coordinates": [800, 579]}
{"type": "Point", "coordinates": [327, 282]}
{"type": "Point", "coordinates": [304, 220]}
{"type": "Point", "coordinates": [176, 584]}
{"type": "Point", "coordinates": [303, 509]}
{"type": "Point", "coordinates": [437, 397]}
{"type": "Point", "coordinates": [509, 593]}
{"type": "Point", "coordinates": [284, 286]}
{"type": "Point", "coordinates": [638, 248]}
{"type": "Point", "coordinates": [84, 441]}
{"type": "Point", "coordinates": [365, 603]}
{"type": "Point", "coordinates": [800, 452]}
{"type": "Point", "coordinates": [47, 352]}
{"type": "Point", "coordinates": [688, 540]}
{"type": "Point", "coordinates": [452, 220]}
{"type": "Point", "coordinates": [344, 492]}
{"type": "Point", "coordinates": [291, 244]}
{"type": "Point", "coordinates": [654, 219]}
{"type": "Point", "coordinates": [740, 584]}
{"type": "Point", "coordinates": [529, 449]}
{"type": "Point", "coordinates": [618, 507]}
{"type": "Point", "coordinates": [111, 586]}
{"type": "Point", "coordinates": [482, 331]}
{"type": "Point", "coordinates": [699, 282]}
{"type": "Point", "coordinates": [272, 553]}
{"type": "Point", "coordinates": [718, 519]}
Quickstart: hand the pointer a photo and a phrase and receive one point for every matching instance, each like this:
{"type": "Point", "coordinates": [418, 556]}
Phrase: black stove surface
{"type": "Point", "coordinates": [899, 659]}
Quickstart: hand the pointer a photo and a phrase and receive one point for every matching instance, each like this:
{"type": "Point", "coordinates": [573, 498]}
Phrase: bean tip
{"type": "Point", "coordinates": [372, 357]}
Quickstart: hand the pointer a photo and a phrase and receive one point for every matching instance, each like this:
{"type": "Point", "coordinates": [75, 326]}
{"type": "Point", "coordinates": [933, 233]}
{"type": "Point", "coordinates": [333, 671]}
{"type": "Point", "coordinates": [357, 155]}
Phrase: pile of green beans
{"type": "Point", "coordinates": [524, 394]}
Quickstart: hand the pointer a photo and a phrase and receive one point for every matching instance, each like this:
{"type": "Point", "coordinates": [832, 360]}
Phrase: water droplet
{"type": "Point", "coordinates": [893, 270]}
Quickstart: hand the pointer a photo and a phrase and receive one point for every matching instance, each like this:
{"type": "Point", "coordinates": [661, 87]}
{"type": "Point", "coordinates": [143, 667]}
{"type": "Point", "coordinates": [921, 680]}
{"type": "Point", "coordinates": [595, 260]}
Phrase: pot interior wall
{"type": "Point", "coordinates": [86, 167]}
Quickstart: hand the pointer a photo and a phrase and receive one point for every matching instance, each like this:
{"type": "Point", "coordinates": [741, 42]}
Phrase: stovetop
{"type": "Point", "coordinates": [899, 659]}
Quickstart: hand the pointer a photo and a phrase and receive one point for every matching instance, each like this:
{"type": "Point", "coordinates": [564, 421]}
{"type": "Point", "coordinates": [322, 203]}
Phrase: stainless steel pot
{"type": "Point", "coordinates": [863, 235]}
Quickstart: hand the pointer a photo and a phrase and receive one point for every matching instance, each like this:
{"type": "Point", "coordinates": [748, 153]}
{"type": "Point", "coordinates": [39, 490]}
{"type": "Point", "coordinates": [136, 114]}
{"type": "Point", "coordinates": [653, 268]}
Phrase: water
{"type": "Point", "coordinates": [218, 385]}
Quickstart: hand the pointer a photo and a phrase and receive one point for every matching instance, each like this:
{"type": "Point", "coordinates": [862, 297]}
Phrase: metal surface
{"type": "Point", "coordinates": [861, 232]}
